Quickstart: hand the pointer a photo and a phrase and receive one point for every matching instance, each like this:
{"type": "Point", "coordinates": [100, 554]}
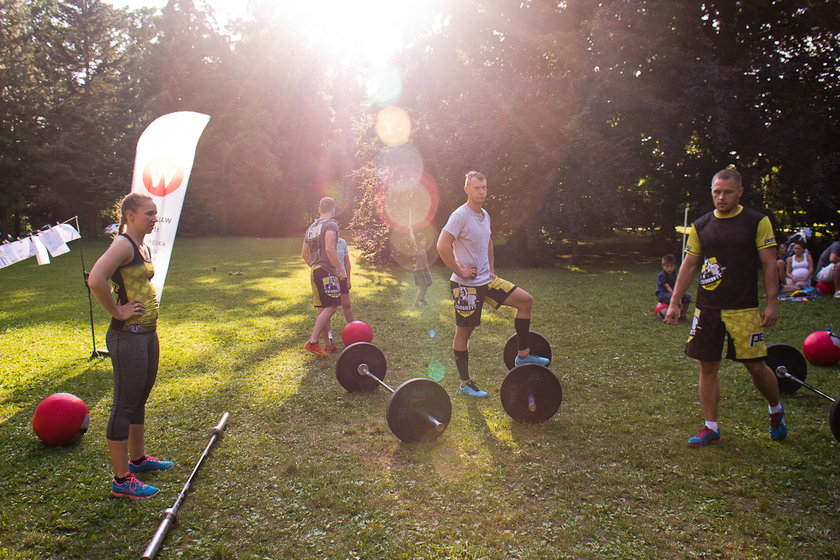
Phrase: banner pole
{"type": "Point", "coordinates": [99, 354]}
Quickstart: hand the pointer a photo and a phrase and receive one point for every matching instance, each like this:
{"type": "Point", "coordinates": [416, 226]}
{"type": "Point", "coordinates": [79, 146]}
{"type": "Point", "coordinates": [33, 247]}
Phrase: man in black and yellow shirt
{"type": "Point", "coordinates": [729, 245]}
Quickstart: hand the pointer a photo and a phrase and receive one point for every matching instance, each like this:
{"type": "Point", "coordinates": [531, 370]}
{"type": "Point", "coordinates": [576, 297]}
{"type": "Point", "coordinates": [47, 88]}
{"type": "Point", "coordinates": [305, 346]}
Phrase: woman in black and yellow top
{"type": "Point", "coordinates": [132, 342]}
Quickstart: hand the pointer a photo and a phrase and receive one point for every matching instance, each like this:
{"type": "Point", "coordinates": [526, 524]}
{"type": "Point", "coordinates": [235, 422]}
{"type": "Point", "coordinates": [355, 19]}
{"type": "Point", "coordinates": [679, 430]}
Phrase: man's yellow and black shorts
{"type": "Point", "coordinates": [469, 300]}
{"type": "Point", "coordinates": [711, 327]}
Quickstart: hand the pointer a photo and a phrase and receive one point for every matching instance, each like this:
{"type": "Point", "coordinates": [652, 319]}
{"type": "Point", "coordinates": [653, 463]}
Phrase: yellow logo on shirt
{"type": "Point", "coordinates": [711, 274]}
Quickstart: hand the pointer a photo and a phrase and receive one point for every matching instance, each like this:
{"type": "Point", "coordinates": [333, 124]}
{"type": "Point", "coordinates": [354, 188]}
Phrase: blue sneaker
{"type": "Point", "coordinates": [704, 437]}
{"type": "Point", "coordinates": [778, 427]}
{"type": "Point", "coordinates": [472, 390]}
{"type": "Point", "coordinates": [150, 464]}
{"type": "Point", "coordinates": [132, 488]}
{"type": "Point", "coordinates": [531, 359]}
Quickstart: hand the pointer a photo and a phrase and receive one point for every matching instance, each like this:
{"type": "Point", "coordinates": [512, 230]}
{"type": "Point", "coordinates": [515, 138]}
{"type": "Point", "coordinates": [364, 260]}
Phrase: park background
{"type": "Point", "coordinates": [587, 116]}
{"type": "Point", "coordinates": [598, 123]}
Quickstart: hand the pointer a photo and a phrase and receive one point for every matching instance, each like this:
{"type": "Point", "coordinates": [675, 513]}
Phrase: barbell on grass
{"type": "Point", "coordinates": [536, 342]}
{"type": "Point", "coordinates": [531, 393]}
{"type": "Point", "coordinates": [418, 410]}
{"type": "Point", "coordinates": [170, 515]}
{"type": "Point", "coordinates": [794, 363]}
{"type": "Point", "coordinates": [784, 360]}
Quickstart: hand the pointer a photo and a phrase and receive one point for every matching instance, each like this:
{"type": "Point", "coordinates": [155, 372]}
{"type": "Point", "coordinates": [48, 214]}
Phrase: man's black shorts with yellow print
{"type": "Point", "coordinates": [712, 326]}
{"type": "Point", "coordinates": [326, 288]}
{"type": "Point", "coordinates": [469, 300]}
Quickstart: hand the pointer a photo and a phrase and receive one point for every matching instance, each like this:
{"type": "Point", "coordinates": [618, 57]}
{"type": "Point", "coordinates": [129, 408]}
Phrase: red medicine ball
{"type": "Point", "coordinates": [60, 419]}
{"type": "Point", "coordinates": [822, 348]}
{"type": "Point", "coordinates": [356, 331]}
{"type": "Point", "coordinates": [825, 288]}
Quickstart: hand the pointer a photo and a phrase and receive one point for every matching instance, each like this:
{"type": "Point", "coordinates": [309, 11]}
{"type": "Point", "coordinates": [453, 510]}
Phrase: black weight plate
{"type": "Point", "coordinates": [793, 360]}
{"type": "Point", "coordinates": [531, 379]}
{"type": "Point", "coordinates": [347, 366]}
{"type": "Point", "coordinates": [536, 342]}
{"type": "Point", "coordinates": [408, 404]}
{"type": "Point", "coordinates": [834, 418]}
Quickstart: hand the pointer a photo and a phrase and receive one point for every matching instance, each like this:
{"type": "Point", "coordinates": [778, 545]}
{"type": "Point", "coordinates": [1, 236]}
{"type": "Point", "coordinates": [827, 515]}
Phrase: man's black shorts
{"type": "Point", "coordinates": [469, 300]}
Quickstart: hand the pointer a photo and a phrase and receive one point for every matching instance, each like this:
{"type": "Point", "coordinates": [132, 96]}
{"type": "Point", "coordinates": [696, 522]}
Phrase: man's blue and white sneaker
{"type": "Point", "coordinates": [472, 390]}
{"type": "Point", "coordinates": [778, 427]}
{"type": "Point", "coordinates": [531, 359]}
{"type": "Point", "coordinates": [150, 464]}
{"type": "Point", "coordinates": [132, 488]}
{"type": "Point", "coordinates": [704, 437]}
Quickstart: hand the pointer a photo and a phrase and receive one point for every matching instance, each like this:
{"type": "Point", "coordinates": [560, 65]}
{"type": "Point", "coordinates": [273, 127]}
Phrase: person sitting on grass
{"type": "Point", "coordinates": [799, 268]}
{"type": "Point", "coordinates": [828, 273]}
{"type": "Point", "coordinates": [781, 267]}
{"type": "Point", "coordinates": [665, 284]}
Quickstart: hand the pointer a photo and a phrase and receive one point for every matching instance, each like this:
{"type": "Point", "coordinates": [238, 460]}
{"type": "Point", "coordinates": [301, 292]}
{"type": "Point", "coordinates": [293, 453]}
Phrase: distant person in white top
{"type": "Point", "coordinates": [828, 273]}
{"type": "Point", "coordinates": [799, 267]}
{"type": "Point", "coordinates": [465, 247]}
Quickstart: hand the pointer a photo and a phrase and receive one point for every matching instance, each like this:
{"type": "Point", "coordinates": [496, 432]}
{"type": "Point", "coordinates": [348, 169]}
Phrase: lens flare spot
{"type": "Point", "coordinates": [393, 125]}
{"type": "Point", "coordinates": [406, 203]}
{"type": "Point", "coordinates": [437, 371]}
{"type": "Point", "coordinates": [386, 86]}
{"type": "Point", "coordinates": [401, 163]}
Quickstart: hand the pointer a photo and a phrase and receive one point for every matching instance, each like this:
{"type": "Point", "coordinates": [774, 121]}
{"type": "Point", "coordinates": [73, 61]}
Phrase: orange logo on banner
{"type": "Point", "coordinates": [162, 175]}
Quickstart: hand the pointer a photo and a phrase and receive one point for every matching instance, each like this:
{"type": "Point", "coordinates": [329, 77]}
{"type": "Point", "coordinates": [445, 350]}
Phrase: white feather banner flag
{"type": "Point", "coordinates": [162, 167]}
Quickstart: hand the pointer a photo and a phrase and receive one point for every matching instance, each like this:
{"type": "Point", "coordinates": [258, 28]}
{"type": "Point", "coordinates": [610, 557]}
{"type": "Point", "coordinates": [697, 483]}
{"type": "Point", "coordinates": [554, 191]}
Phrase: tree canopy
{"type": "Point", "coordinates": [586, 115]}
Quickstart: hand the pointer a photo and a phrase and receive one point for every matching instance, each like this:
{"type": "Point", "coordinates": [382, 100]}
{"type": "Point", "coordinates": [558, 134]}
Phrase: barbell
{"type": "Point", "coordinates": [419, 409]}
{"type": "Point", "coordinates": [791, 368]}
{"type": "Point", "coordinates": [530, 393]}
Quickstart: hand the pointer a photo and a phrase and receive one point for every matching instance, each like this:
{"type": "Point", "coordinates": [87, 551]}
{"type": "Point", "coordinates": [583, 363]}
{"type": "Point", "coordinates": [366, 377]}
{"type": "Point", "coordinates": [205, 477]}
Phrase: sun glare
{"type": "Point", "coordinates": [359, 32]}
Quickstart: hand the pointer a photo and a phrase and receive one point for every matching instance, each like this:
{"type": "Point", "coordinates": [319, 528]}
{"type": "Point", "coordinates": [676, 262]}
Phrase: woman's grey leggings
{"type": "Point", "coordinates": [135, 359]}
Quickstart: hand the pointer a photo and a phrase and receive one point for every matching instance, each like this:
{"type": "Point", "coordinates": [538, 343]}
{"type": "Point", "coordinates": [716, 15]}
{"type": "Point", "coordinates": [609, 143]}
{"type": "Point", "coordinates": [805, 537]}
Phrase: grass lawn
{"type": "Point", "coordinates": [308, 471]}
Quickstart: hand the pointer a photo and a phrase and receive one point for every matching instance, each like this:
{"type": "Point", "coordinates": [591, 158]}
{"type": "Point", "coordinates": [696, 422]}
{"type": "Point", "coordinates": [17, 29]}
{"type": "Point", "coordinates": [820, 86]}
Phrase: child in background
{"type": "Point", "coordinates": [422, 276]}
{"type": "Point", "coordinates": [665, 284]}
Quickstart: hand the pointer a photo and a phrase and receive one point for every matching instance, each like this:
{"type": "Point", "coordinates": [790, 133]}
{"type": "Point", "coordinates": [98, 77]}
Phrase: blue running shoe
{"type": "Point", "coordinates": [150, 464]}
{"type": "Point", "coordinates": [132, 488]}
{"type": "Point", "coordinates": [704, 437]}
{"type": "Point", "coordinates": [778, 427]}
{"type": "Point", "coordinates": [472, 390]}
{"type": "Point", "coordinates": [531, 359]}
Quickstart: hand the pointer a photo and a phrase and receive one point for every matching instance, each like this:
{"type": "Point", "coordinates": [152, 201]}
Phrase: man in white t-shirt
{"type": "Point", "coordinates": [465, 247]}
